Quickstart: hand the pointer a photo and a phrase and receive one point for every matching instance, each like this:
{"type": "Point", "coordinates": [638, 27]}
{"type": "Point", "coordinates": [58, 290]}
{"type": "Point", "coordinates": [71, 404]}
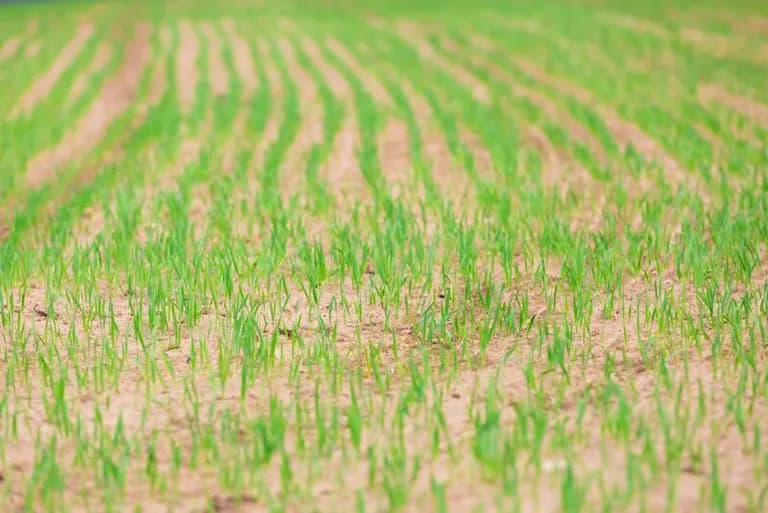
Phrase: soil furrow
{"type": "Point", "coordinates": [451, 182]}
{"type": "Point", "coordinates": [395, 155]}
{"type": "Point", "coordinates": [310, 130]}
{"type": "Point", "coordinates": [373, 86]}
{"type": "Point", "coordinates": [725, 47]}
{"type": "Point", "coordinates": [243, 59]}
{"type": "Point", "coordinates": [624, 132]}
{"type": "Point", "coordinates": [413, 35]}
{"type": "Point", "coordinates": [557, 114]}
{"type": "Point", "coordinates": [219, 76]}
{"type": "Point", "coordinates": [275, 119]}
{"type": "Point", "coordinates": [11, 45]}
{"type": "Point", "coordinates": [481, 157]}
{"type": "Point", "coordinates": [186, 66]}
{"type": "Point", "coordinates": [98, 63]}
{"type": "Point", "coordinates": [336, 82]}
{"type": "Point", "coordinates": [747, 107]}
{"type": "Point", "coordinates": [713, 44]}
{"type": "Point", "coordinates": [9, 48]}
{"type": "Point", "coordinates": [246, 72]}
{"type": "Point", "coordinates": [92, 221]}
{"type": "Point", "coordinates": [158, 80]}
{"type": "Point", "coordinates": [340, 170]}
{"type": "Point", "coordinates": [43, 85]}
{"type": "Point", "coordinates": [115, 98]}
{"type": "Point", "coordinates": [32, 49]}
{"type": "Point", "coordinates": [634, 24]}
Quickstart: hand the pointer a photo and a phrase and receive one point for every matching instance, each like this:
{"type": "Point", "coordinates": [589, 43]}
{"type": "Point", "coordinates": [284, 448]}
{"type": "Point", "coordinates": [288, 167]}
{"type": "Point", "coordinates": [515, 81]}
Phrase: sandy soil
{"type": "Point", "coordinates": [373, 86]}
{"type": "Point", "coordinates": [609, 337]}
{"type": "Point", "coordinates": [168, 410]}
{"type": "Point", "coordinates": [340, 170]}
{"type": "Point", "coordinates": [275, 118]}
{"type": "Point", "coordinates": [310, 131]}
{"type": "Point", "coordinates": [10, 46]}
{"type": "Point", "coordinates": [246, 72]}
{"type": "Point", "coordinates": [98, 63]}
{"type": "Point", "coordinates": [219, 75]}
{"type": "Point", "coordinates": [717, 45]}
{"type": "Point", "coordinates": [395, 156]}
{"type": "Point", "coordinates": [44, 83]}
{"type": "Point", "coordinates": [635, 24]}
{"type": "Point", "coordinates": [624, 132]}
{"type": "Point", "coordinates": [575, 128]}
{"type": "Point", "coordinates": [186, 66]}
{"type": "Point", "coordinates": [93, 219]}
{"type": "Point", "coordinates": [413, 35]}
{"type": "Point", "coordinates": [452, 182]}
{"type": "Point", "coordinates": [116, 96]}
{"type": "Point", "coordinates": [746, 106]}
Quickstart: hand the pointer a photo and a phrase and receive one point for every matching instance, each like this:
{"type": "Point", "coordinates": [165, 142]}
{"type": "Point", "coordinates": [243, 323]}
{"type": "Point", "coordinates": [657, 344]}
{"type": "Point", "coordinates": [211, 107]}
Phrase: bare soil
{"type": "Point", "coordinates": [186, 66]}
{"type": "Point", "coordinates": [115, 98]}
{"type": "Point", "coordinates": [413, 34]}
{"type": "Point", "coordinates": [746, 106]}
{"type": "Point", "coordinates": [219, 75]}
{"type": "Point", "coordinates": [99, 62]}
{"type": "Point", "coordinates": [310, 132]}
{"type": "Point", "coordinates": [44, 83]}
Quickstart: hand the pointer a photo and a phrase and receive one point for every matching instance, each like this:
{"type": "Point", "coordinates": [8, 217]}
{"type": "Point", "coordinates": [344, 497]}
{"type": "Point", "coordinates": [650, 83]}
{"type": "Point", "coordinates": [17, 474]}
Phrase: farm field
{"type": "Point", "coordinates": [378, 257]}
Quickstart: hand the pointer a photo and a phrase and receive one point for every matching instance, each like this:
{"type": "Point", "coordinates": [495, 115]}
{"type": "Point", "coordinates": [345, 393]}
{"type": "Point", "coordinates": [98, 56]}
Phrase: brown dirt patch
{"type": "Point", "coordinates": [97, 64]}
{"type": "Point", "coordinates": [747, 107]}
{"type": "Point", "coordinates": [413, 34]}
{"type": "Point", "coordinates": [276, 93]}
{"type": "Point", "coordinates": [32, 49]}
{"type": "Point", "coordinates": [219, 75]}
{"type": "Point", "coordinates": [635, 24]}
{"type": "Point", "coordinates": [11, 45]}
{"type": "Point", "coordinates": [557, 114]}
{"type": "Point", "coordinates": [310, 130]}
{"type": "Point", "coordinates": [395, 156]}
{"type": "Point", "coordinates": [340, 170]}
{"type": "Point", "coordinates": [722, 46]}
{"type": "Point", "coordinates": [43, 85]}
{"type": "Point", "coordinates": [373, 86]}
{"type": "Point", "coordinates": [186, 66]}
{"type": "Point", "coordinates": [243, 59]}
{"type": "Point", "coordinates": [116, 97]}
{"type": "Point", "coordinates": [92, 222]}
{"type": "Point", "coordinates": [754, 23]}
{"type": "Point", "coordinates": [9, 48]}
{"type": "Point", "coordinates": [739, 22]}
{"type": "Point", "coordinates": [718, 45]}
{"type": "Point", "coordinates": [336, 82]}
{"type": "Point", "coordinates": [451, 180]}
{"type": "Point", "coordinates": [244, 67]}
{"type": "Point", "coordinates": [624, 132]}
